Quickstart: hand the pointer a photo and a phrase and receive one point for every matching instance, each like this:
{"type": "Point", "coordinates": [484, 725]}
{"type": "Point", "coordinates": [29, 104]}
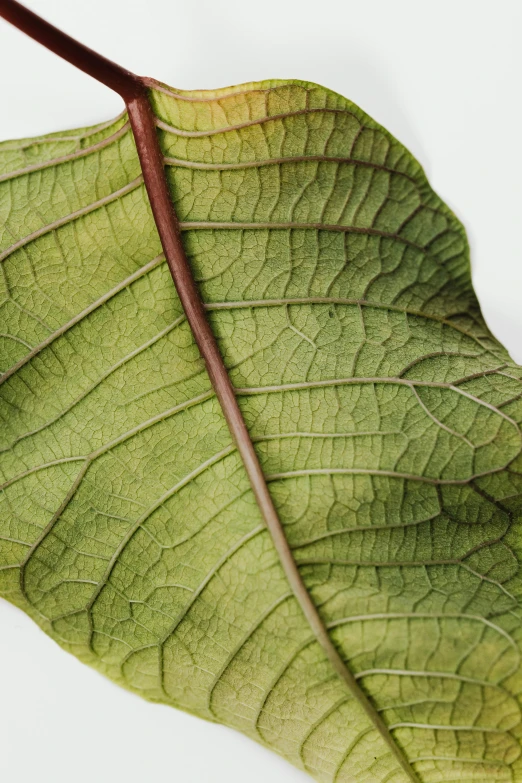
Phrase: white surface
{"type": "Point", "coordinates": [444, 77]}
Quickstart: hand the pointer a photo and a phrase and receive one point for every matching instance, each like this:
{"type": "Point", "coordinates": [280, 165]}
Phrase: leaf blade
{"type": "Point", "coordinates": [412, 350]}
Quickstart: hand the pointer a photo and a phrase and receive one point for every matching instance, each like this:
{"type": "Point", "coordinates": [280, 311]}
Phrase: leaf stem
{"type": "Point", "coordinates": [134, 91]}
{"type": "Point", "coordinates": [125, 83]}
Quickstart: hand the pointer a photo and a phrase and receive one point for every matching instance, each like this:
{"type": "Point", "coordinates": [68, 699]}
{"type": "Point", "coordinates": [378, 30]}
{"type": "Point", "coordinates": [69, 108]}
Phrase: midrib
{"type": "Point", "coordinates": [143, 125]}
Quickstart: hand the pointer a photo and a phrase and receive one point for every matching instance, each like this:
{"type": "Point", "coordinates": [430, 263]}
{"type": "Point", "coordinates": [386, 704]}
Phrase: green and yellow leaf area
{"type": "Point", "coordinates": [384, 413]}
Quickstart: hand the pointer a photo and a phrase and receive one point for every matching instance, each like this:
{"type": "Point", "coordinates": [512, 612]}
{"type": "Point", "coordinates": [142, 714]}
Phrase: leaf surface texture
{"type": "Point", "coordinates": [384, 413]}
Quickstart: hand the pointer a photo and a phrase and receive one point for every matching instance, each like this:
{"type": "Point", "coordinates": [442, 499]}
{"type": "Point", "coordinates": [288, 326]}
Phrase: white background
{"type": "Point", "coordinates": [444, 77]}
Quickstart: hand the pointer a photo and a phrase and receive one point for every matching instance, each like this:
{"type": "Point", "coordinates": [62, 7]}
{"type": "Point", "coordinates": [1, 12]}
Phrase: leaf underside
{"type": "Point", "coordinates": [384, 413]}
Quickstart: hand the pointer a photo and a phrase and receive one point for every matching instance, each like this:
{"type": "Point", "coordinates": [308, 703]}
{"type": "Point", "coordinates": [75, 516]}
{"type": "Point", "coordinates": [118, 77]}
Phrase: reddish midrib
{"type": "Point", "coordinates": [134, 92]}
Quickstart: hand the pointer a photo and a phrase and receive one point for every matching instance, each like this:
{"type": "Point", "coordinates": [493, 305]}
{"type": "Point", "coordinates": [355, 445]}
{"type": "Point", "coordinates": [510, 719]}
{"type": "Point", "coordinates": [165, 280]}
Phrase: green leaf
{"type": "Point", "coordinates": [384, 413]}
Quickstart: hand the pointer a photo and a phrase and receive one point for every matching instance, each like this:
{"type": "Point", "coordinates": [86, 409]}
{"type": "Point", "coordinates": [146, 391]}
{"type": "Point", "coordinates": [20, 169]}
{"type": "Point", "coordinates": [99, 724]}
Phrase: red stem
{"type": "Point", "coordinates": [120, 80]}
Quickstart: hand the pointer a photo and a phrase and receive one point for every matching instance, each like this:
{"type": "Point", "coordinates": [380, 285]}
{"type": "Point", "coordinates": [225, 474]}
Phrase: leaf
{"type": "Point", "coordinates": [384, 414]}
